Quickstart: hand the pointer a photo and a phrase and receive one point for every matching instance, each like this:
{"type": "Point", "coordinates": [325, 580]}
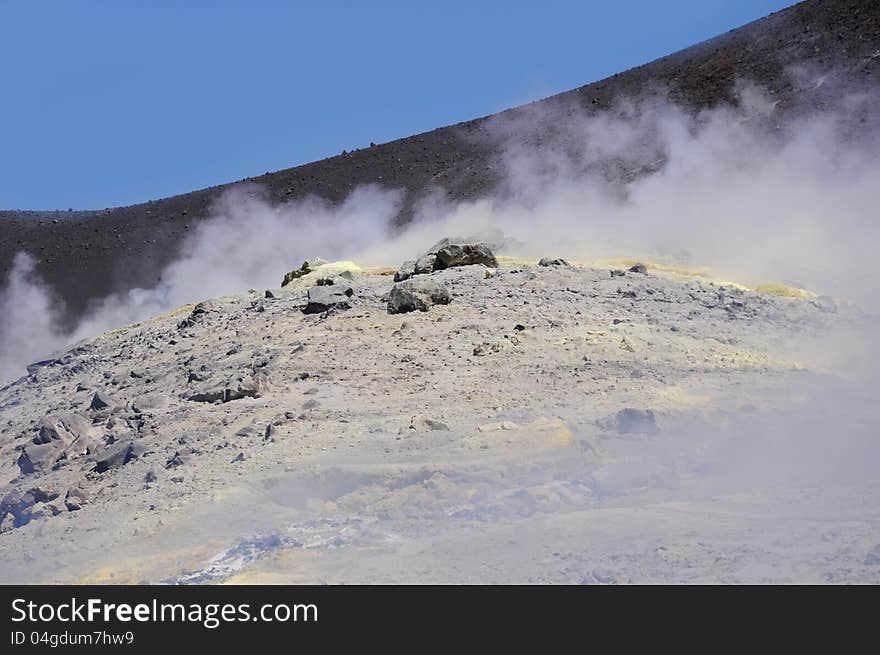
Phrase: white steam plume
{"type": "Point", "coordinates": [756, 198]}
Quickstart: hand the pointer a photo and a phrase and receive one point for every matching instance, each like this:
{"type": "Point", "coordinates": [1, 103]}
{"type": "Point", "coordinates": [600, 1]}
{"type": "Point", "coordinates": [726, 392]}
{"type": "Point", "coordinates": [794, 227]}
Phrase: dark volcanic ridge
{"type": "Point", "coordinates": [87, 255]}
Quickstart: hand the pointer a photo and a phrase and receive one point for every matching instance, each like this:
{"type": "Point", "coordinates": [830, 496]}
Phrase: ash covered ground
{"type": "Point", "coordinates": [549, 423]}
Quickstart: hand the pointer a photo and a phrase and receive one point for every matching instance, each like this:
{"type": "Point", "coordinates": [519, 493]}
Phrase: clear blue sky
{"type": "Point", "coordinates": [116, 102]}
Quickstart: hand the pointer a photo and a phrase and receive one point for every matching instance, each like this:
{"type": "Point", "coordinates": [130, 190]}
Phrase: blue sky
{"type": "Point", "coordinates": [113, 103]}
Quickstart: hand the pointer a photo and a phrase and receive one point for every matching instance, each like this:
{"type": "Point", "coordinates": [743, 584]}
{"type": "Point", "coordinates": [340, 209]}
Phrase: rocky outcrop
{"type": "Point", "coordinates": [417, 295]}
{"type": "Point", "coordinates": [448, 253]}
{"type": "Point", "coordinates": [308, 266]}
{"type": "Point", "coordinates": [196, 315]}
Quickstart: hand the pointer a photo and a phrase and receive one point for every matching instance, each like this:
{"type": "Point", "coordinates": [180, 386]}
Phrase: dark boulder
{"type": "Point", "coordinates": [417, 295]}
{"type": "Point", "coordinates": [465, 254]}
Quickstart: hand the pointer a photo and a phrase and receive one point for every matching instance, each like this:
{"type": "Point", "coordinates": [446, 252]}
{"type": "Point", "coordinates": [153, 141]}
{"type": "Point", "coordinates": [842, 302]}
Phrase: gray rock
{"type": "Point", "coordinates": [417, 295]}
{"type": "Point", "coordinates": [27, 506]}
{"type": "Point", "coordinates": [545, 261]}
{"type": "Point", "coordinates": [618, 273]}
{"type": "Point", "coordinates": [118, 455]}
{"type": "Point", "coordinates": [465, 254]}
{"type": "Point", "coordinates": [425, 264]}
{"type": "Point", "coordinates": [407, 270]}
{"type": "Point", "coordinates": [65, 428]}
{"type": "Point", "coordinates": [175, 460]}
{"type": "Point", "coordinates": [325, 298]}
{"type": "Point", "coordinates": [39, 458]}
{"type": "Point", "coordinates": [74, 499]}
{"type": "Point", "coordinates": [873, 557]}
{"type": "Point", "coordinates": [638, 268]}
{"type": "Point", "coordinates": [99, 401]}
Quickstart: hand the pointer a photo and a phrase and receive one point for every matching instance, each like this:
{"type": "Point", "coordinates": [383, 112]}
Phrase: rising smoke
{"type": "Point", "coordinates": [737, 188]}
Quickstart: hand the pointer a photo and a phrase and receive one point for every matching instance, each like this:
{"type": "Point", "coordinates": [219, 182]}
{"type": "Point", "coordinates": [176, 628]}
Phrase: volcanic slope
{"type": "Point", "coordinates": [86, 255]}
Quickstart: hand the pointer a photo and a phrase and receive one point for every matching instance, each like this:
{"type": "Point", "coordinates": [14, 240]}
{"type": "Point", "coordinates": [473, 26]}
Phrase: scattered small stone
{"type": "Point", "coordinates": [639, 268]}
{"type": "Point", "coordinates": [488, 348]}
{"type": "Point", "coordinates": [618, 273]}
{"type": "Point", "coordinates": [174, 461]}
{"type": "Point", "coordinates": [421, 423]}
{"type": "Point", "coordinates": [239, 458]}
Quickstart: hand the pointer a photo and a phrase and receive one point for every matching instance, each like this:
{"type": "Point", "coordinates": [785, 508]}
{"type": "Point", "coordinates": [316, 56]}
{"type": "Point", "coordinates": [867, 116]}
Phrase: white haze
{"type": "Point", "coordinates": [730, 189]}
